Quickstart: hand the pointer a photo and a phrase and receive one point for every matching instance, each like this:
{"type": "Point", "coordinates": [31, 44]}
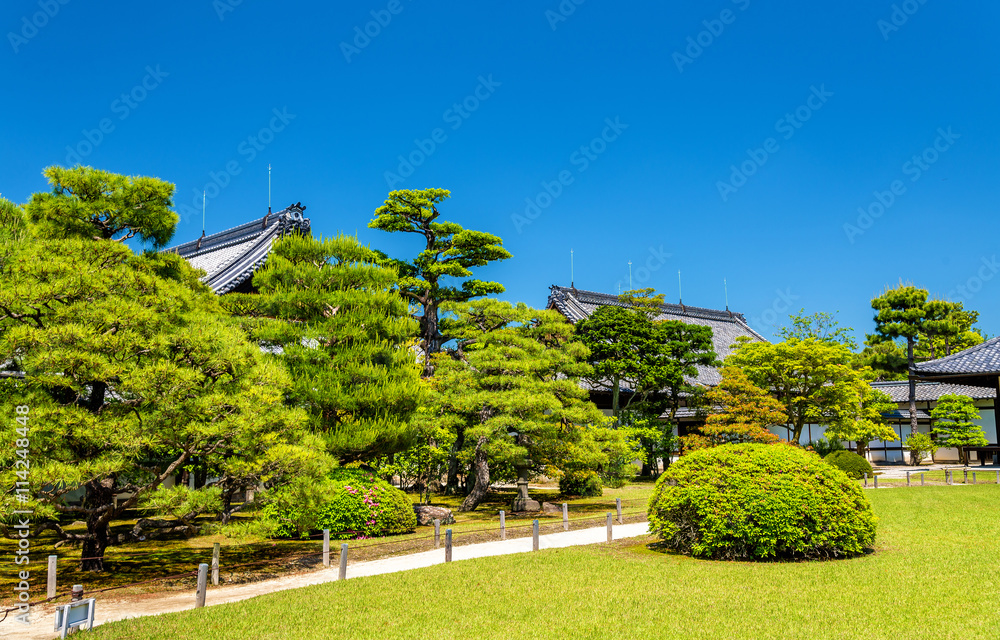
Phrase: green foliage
{"type": "Point", "coordinates": [583, 483]}
{"type": "Point", "coordinates": [512, 386]}
{"type": "Point", "coordinates": [442, 271]}
{"type": "Point", "coordinates": [756, 502]}
{"type": "Point", "coordinates": [352, 504]}
{"type": "Point", "coordinates": [850, 463]}
{"type": "Point", "coordinates": [654, 359]}
{"type": "Point", "coordinates": [99, 205]}
{"type": "Point", "coordinates": [344, 334]}
{"type": "Point", "coordinates": [867, 423]}
{"type": "Point", "coordinates": [824, 447]}
{"type": "Point", "coordinates": [954, 425]}
{"type": "Point", "coordinates": [822, 326]}
{"type": "Point", "coordinates": [921, 446]}
{"type": "Point", "coordinates": [813, 379]}
{"type": "Point", "coordinates": [741, 412]}
{"type": "Point", "coordinates": [655, 439]}
{"type": "Point", "coordinates": [131, 370]}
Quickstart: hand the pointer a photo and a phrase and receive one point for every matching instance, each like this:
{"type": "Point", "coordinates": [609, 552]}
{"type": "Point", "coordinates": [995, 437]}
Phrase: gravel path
{"type": "Point", "coordinates": [109, 610]}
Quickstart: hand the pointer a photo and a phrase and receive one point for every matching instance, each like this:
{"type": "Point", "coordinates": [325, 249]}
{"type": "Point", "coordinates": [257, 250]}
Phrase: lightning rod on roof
{"type": "Point", "coordinates": [269, 188]}
{"type": "Point", "coordinates": [204, 205]}
{"type": "Point", "coordinates": [725, 286]}
{"type": "Point", "coordinates": [571, 281]}
{"type": "Point", "coordinates": [680, 291]}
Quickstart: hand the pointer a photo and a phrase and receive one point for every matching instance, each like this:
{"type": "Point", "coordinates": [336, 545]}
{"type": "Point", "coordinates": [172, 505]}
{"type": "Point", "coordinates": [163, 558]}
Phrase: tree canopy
{"type": "Point", "coordinates": [442, 271]}
{"type": "Point", "coordinates": [954, 418]}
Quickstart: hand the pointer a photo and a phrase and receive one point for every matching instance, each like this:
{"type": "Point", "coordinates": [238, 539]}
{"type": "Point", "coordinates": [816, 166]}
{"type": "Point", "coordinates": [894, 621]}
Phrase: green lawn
{"type": "Point", "coordinates": [255, 559]}
{"type": "Point", "coordinates": [934, 575]}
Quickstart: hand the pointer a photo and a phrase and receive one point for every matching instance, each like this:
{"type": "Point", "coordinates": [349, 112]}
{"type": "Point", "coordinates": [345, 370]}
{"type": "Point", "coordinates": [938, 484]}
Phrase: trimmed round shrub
{"type": "Point", "coordinates": [354, 504]}
{"type": "Point", "coordinates": [757, 502]}
{"type": "Point", "coordinates": [850, 463]}
{"type": "Point", "coordinates": [584, 483]}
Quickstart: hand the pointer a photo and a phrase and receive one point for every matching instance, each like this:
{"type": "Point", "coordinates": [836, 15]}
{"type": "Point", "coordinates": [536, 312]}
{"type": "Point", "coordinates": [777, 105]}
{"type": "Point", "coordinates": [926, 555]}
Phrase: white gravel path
{"type": "Point", "coordinates": [109, 609]}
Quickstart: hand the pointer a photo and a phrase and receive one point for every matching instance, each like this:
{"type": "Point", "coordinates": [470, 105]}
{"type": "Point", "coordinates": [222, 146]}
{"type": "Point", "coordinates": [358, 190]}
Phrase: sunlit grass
{"type": "Point", "coordinates": [933, 575]}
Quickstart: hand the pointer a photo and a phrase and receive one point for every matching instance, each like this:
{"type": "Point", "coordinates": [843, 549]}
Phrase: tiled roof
{"type": "Point", "coordinates": [899, 390]}
{"type": "Point", "coordinates": [981, 359]}
{"type": "Point", "coordinates": [577, 304]}
{"type": "Point", "coordinates": [904, 414]}
{"type": "Point", "coordinates": [231, 257]}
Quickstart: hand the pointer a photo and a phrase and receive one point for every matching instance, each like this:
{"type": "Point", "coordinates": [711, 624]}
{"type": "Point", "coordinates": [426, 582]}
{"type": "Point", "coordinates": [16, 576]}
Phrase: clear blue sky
{"type": "Point", "coordinates": [818, 107]}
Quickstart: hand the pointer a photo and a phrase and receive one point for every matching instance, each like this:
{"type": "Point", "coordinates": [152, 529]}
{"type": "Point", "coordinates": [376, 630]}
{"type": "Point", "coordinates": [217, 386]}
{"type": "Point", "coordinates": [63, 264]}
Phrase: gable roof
{"type": "Point", "coordinates": [899, 390]}
{"type": "Point", "coordinates": [577, 304]}
{"type": "Point", "coordinates": [980, 360]}
{"type": "Point", "coordinates": [231, 257]}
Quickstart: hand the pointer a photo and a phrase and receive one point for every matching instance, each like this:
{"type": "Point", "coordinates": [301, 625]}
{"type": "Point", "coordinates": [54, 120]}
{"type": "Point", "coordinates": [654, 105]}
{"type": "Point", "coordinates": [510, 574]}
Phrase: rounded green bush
{"type": "Point", "coordinates": [757, 501]}
{"type": "Point", "coordinates": [850, 463]}
{"type": "Point", "coordinates": [355, 504]}
{"type": "Point", "coordinates": [585, 483]}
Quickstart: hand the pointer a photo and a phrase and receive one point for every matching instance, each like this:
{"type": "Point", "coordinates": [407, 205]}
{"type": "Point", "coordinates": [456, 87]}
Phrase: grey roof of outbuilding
{"type": "Point", "coordinates": [231, 257]}
{"type": "Point", "coordinates": [577, 304]}
{"type": "Point", "coordinates": [978, 360]}
{"type": "Point", "coordinates": [899, 390]}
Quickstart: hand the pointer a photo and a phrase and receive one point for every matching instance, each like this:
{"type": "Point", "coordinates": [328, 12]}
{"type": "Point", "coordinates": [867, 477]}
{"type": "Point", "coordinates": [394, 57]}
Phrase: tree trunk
{"type": "Point", "coordinates": [100, 494]}
{"type": "Point", "coordinates": [429, 326]}
{"type": "Point", "coordinates": [482, 471]}
{"type": "Point", "coordinates": [913, 386]}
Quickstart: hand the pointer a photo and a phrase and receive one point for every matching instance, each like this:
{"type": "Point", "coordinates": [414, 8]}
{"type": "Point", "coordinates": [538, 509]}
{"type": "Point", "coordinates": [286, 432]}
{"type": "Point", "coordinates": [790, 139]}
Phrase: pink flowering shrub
{"type": "Point", "coordinates": [361, 505]}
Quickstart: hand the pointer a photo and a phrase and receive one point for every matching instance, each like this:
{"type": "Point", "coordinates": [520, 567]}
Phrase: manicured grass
{"type": "Point", "coordinates": [258, 559]}
{"type": "Point", "coordinates": [933, 575]}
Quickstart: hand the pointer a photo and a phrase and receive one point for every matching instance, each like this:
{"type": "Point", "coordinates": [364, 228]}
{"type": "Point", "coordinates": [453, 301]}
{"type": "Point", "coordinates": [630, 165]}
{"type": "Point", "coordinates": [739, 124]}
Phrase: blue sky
{"type": "Point", "coordinates": [809, 154]}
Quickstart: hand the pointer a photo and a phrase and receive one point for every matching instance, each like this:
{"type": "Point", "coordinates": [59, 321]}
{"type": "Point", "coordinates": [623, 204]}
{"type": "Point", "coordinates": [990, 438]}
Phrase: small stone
{"type": "Point", "coordinates": [426, 514]}
{"type": "Point", "coordinates": [551, 507]}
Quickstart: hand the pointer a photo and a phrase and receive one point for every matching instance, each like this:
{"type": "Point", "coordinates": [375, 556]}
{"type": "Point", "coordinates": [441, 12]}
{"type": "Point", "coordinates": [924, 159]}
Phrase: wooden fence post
{"type": "Point", "coordinates": [609, 527]}
{"type": "Point", "coordinates": [215, 564]}
{"type": "Point", "coordinates": [199, 595]}
{"type": "Point", "coordinates": [907, 478]}
{"type": "Point", "coordinates": [326, 547]}
{"type": "Point", "coordinates": [866, 480]}
{"type": "Point", "coordinates": [503, 526]}
{"type": "Point", "coordinates": [875, 477]}
{"type": "Point", "coordinates": [965, 476]}
{"type": "Point", "coordinates": [973, 477]}
{"type": "Point", "coordinates": [51, 582]}
{"type": "Point", "coordinates": [437, 532]}
{"type": "Point", "coordinates": [565, 517]}
{"type": "Point", "coordinates": [534, 535]}
{"type": "Point", "coordinates": [343, 562]}
{"type": "Point", "coordinates": [447, 545]}
{"type": "Point", "coordinates": [921, 479]}
{"type": "Point", "coordinates": [618, 507]}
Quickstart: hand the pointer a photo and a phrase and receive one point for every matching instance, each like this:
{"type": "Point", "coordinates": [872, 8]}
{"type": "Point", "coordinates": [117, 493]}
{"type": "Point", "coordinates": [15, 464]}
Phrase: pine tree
{"type": "Point", "coordinates": [345, 335]}
{"type": "Point", "coordinates": [129, 370]}
{"type": "Point", "coordinates": [954, 425]}
{"type": "Point", "coordinates": [442, 271]}
{"type": "Point", "coordinates": [513, 381]}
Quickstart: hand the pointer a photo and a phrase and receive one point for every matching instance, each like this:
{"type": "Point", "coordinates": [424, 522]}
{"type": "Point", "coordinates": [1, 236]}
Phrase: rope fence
{"type": "Point", "coordinates": [625, 512]}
